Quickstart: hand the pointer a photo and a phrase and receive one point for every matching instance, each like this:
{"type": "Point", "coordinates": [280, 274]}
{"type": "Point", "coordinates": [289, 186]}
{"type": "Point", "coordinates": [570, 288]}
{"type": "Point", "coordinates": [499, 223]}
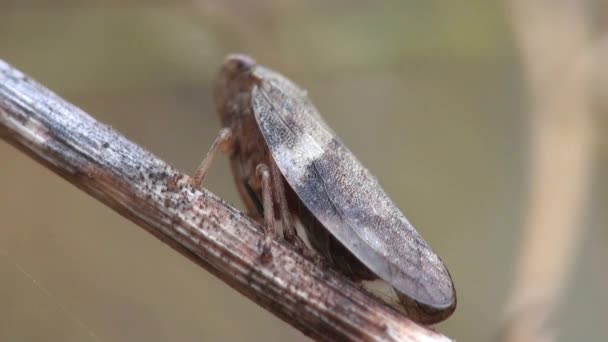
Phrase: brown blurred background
{"type": "Point", "coordinates": [432, 96]}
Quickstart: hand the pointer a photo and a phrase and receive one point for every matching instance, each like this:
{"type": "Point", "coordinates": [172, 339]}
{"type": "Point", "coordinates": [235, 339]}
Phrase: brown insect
{"type": "Point", "coordinates": [287, 163]}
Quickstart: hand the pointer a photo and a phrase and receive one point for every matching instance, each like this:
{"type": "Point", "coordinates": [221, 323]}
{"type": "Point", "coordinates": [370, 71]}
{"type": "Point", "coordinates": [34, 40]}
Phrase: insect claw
{"type": "Point", "coordinates": [290, 237]}
{"type": "Point", "coordinates": [313, 256]}
{"type": "Point", "coordinates": [266, 248]}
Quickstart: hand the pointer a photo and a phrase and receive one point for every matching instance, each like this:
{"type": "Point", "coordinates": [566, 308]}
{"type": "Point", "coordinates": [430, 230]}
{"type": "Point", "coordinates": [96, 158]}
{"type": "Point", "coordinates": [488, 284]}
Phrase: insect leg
{"type": "Point", "coordinates": [269, 220]}
{"type": "Point", "coordinates": [223, 142]}
{"type": "Point", "coordinates": [289, 231]}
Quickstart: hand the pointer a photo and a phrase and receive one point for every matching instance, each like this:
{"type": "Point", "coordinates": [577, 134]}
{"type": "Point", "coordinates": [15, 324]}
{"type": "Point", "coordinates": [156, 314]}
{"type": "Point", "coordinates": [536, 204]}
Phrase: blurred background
{"type": "Point", "coordinates": [477, 117]}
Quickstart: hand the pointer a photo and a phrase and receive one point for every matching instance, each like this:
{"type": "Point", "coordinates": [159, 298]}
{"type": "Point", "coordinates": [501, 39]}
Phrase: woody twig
{"type": "Point", "coordinates": [554, 39]}
{"type": "Point", "coordinates": [197, 224]}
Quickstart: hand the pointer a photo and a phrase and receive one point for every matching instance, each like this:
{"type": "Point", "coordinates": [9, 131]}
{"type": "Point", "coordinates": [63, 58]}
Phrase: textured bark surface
{"type": "Point", "coordinates": [198, 224]}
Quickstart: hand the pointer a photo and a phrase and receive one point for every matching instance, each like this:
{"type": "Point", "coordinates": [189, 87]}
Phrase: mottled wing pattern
{"type": "Point", "coordinates": [343, 195]}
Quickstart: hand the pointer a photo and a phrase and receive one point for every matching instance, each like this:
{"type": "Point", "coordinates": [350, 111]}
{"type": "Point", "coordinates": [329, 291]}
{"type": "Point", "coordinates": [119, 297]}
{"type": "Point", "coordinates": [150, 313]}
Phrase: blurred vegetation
{"type": "Point", "coordinates": [429, 95]}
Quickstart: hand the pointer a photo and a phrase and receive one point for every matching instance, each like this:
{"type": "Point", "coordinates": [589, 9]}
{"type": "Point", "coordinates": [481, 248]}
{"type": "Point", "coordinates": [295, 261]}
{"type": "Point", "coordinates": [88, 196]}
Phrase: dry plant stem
{"type": "Point", "coordinates": [197, 224]}
{"type": "Point", "coordinates": [554, 41]}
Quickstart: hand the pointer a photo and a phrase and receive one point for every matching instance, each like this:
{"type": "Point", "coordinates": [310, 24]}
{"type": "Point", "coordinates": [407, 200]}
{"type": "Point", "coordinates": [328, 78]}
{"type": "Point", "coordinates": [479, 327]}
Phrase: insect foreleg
{"type": "Point", "coordinates": [269, 219]}
{"type": "Point", "coordinates": [223, 142]}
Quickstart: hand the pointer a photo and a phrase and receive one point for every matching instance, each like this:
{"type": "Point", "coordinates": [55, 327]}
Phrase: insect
{"type": "Point", "coordinates": [289, 165]}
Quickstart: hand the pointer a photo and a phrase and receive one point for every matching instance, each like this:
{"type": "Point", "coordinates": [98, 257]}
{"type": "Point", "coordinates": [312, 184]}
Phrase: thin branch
{"type": "Point", "coordinates": [554, 38]}
{"type": "Point", "coordinates": [198, 224]}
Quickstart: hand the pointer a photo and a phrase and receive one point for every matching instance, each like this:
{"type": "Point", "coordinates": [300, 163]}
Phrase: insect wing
{"type": "Point", "coordinates": [343, 195]}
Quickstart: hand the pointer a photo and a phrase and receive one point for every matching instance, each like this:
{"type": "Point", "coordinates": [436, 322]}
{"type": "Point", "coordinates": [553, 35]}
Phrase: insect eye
{"type": "Point", "coordinates": [239, 63]}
